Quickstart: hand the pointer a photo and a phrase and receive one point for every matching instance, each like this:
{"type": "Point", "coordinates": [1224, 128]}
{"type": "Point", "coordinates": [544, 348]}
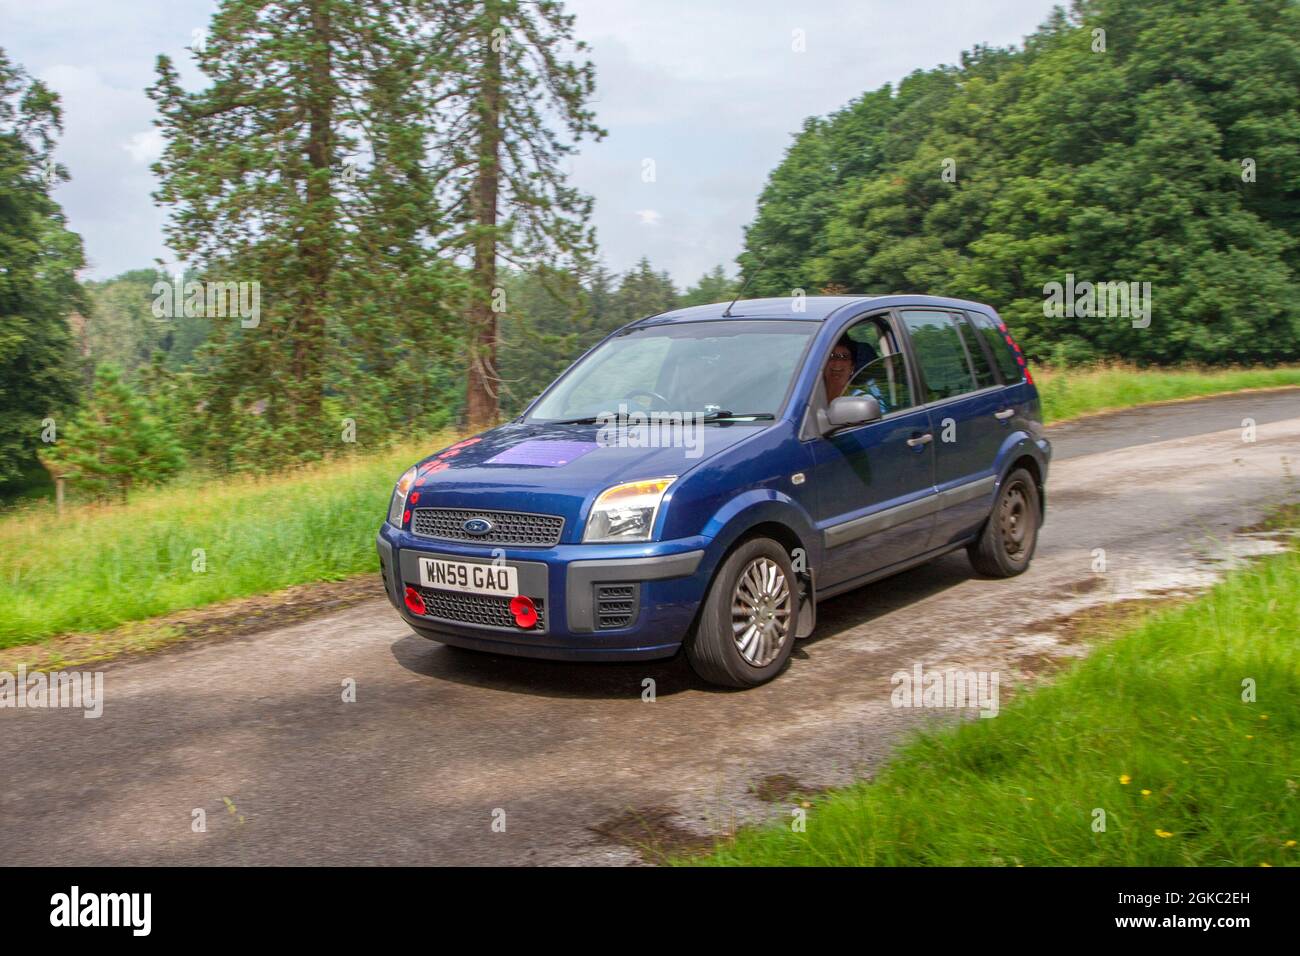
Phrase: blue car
{"type": "Point", "coordinates": [700, 479]}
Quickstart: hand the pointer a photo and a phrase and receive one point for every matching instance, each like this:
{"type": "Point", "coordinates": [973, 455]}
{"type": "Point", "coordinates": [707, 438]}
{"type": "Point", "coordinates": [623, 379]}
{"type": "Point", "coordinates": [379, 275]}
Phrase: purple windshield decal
{"type": "Point", "coordinates": [546, 454]}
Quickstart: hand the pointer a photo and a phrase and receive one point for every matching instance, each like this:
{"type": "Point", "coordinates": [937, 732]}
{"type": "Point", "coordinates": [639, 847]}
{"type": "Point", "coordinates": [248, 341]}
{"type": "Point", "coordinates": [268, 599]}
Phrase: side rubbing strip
{"type": "Point", "coordinates": [880, 521]}
{"type": "Point", "coordinates": [963, 493]}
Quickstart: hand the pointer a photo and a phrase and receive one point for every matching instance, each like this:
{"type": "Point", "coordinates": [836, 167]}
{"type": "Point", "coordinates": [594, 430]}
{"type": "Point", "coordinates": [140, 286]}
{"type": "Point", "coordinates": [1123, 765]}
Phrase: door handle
{"type": "Point", "coordinates": [919, 440]}
{"type": "Point", "coordinates": [1004, 414]}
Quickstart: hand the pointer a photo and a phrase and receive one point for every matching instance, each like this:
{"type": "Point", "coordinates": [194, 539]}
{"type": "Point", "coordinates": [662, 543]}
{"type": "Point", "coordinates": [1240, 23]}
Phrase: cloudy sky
{"type": "Point", "coordinates": [711, 90]}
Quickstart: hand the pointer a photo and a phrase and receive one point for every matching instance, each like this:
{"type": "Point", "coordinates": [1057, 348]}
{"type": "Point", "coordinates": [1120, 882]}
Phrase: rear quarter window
{"type": "Point", "coordinates": [984, 377]}
{"type": "Point", "coordinates": [998, 347]}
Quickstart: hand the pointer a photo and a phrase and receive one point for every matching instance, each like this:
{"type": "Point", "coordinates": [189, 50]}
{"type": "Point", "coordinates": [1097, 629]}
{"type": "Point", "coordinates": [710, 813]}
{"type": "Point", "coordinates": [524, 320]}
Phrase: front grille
{"type": "Point", "coordinates": [508, 527]}
{"type": "Point", "coordinates": [477, 609]}
{"type": "Point", "coordinates": [616, 605]}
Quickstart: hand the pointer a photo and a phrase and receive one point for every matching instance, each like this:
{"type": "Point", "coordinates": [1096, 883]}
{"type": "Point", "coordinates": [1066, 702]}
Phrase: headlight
{"type": "Point", "coordinates": [626, 512]}
{"type": "Point", "coordinates": [398, 504]}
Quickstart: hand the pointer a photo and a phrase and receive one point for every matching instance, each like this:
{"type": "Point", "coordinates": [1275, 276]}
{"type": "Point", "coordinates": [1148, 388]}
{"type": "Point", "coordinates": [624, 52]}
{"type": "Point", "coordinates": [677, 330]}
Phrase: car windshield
{"type": "Point", "coordinates": [718, 369]}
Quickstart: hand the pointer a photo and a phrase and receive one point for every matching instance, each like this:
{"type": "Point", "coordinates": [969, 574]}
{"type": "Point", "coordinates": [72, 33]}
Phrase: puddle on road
{"type": "Point", "coordinates": [784, 788]}
{"type": "Point", "coordinates": [654, 832]}
{"type": "Point", "coordinates": [1108, 600]}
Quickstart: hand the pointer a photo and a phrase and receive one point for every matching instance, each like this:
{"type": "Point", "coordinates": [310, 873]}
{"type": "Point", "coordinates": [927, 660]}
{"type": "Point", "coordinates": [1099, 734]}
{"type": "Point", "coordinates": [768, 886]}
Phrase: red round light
{"type": "Point", "coordinates": [406, 516]}
{"type": "Point", "coordinates": [414, 603]}
{"type": "Point", "coordinates": [524, 610]}
{"type": "Point", "coordinates": [415, 497]}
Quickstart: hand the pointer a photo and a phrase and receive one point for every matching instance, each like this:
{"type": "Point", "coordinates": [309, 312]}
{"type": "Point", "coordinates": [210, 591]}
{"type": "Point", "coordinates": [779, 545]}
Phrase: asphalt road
{"type": "Point", "coordinates": [441, 744]}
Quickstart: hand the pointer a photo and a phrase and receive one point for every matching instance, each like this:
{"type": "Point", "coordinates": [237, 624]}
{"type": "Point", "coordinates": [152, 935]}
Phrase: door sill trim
{"type": "Point", "coordinates": [889, 571]}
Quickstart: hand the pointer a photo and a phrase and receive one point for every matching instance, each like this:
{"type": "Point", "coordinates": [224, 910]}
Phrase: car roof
{"type": "Point", "coordinates": [812, 308]}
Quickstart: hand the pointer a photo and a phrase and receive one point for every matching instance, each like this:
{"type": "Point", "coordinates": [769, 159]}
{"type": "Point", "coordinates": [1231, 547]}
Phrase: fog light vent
{"type": "Point", "coordinates": [616, 605]}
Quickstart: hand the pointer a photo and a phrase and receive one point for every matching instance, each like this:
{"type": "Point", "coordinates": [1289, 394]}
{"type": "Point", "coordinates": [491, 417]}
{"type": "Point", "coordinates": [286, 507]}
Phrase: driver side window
{"type": "Point", "coordinates": [879, 367]}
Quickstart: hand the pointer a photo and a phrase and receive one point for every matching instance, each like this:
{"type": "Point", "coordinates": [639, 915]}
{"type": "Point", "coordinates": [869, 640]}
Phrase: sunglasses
{"type": "Point", "coordinates": [841, 357]}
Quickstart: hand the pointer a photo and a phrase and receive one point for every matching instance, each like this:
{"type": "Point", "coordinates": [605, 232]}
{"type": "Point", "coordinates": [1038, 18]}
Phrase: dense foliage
{"type": "Point", "coordinates": [1128, 141]}
{"type": "Point", "coordinates": [554, 316]}
{"type": "Point", "coordinates": [39, 258]}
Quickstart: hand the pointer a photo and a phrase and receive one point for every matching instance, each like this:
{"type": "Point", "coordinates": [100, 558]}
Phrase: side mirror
{"type": "Point", "coordinates": [853, 410]}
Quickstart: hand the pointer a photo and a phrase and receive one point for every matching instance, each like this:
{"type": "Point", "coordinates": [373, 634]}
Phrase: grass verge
{"type": "Point", "coordinates": [190, 545]}
{"type": "Point", "coordinates": [1073, 393]}
{"type": "Point", "coordinates": [1151, 730]}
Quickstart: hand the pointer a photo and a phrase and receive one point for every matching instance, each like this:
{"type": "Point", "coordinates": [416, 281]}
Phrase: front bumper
{"type": "Point", "coordinates": [669, 579]}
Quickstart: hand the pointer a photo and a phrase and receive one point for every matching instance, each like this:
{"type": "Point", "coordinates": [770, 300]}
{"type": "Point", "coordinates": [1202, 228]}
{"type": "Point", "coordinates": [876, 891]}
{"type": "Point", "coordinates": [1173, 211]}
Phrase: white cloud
{"type": "Point", "coordinates": [648, 217]}
{"type": "Point", "coordinates": [145, 147]}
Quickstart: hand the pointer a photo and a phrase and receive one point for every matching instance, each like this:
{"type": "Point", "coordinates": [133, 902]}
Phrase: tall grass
{"type": "Point", "coordinates": [102, 565]}
{"type": "Point", "coordinates": [1071, 392]}
{"type": "Point", "coordinates": [1151, 730]}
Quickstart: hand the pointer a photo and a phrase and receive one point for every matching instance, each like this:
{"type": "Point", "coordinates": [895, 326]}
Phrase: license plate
{"type": "Point", "coordinates": [500, 580]}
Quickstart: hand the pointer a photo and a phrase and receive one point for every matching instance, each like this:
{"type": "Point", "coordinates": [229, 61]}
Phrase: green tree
{"type": "Point", "coordinates": [554, 316]}
{"type": "Point", "coordinates": [39, 259]}
{"type": "Point", "coordinates": [506, 107]}
{"type": "Point", "coordinates": [549, 321]}
{"type": "Point", "coordinates": [642, 292]}
{"type": "Point", "coordinates": [300, 167]}
{"type": "Point", "coordinates": [1114, 146]}
{"type": "Point", "coordinates": [174, 400]}
{"type": "Point", "coordinates": [714, 286]}
{"type": "Point", "coordinates": [121, 328]}
{"type": "Point", "coordinates": [115, 443]}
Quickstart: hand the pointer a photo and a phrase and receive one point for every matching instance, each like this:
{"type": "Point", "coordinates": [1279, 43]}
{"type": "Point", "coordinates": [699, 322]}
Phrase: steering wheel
{"type": "Point", "coordinates": [632, 396]}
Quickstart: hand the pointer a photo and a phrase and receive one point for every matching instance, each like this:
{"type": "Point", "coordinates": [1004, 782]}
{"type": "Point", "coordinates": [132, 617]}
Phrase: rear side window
{"type": "Point", "coordinates": [940, 353]}
{"type": "Point", "coordinates": [984, 377]}
{"type": "Point", "coordinates": [998, 347]}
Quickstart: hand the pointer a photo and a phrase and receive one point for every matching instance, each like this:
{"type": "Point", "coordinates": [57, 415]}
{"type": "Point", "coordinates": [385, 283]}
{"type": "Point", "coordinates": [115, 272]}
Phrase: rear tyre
{"type": "Point", "coordinates": [1006, 545]}
{"type": "Point", "coordinates": [747, 624]}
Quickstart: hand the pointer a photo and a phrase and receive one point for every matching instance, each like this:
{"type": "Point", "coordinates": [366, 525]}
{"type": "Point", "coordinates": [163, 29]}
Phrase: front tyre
{"type": "Point", "coordinates": [747, 624]}
{"type": "Point", "coordinates": [1006, 545]}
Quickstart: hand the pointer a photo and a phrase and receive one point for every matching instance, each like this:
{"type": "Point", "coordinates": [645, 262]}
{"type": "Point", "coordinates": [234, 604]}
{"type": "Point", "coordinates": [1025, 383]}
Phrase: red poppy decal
{"type": "Point", "coordinates": [414, 603]}
{"type": "Point", "coordinates": [524, 610]}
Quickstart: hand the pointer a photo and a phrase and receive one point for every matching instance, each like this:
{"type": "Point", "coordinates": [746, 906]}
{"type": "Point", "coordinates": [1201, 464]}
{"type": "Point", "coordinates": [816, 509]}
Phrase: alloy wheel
{"type": "Point", "coordinates": [761, 610]}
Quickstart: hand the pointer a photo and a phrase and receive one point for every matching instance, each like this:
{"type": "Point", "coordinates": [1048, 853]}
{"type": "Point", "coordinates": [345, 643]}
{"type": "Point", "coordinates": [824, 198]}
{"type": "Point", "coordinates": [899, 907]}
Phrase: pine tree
{"type": "Point", "coordinates": [714, 286]}
{"type": "Point", "coordinates": [642, 292]}
{"type": "Point", "coordinates": [115, 443]}
{"type": "Point", "coordinates": [506, 85]}
{"type": "Point", "coordinates": [39, 258]}
{"type": "Point", "coordinates": [300, 167]}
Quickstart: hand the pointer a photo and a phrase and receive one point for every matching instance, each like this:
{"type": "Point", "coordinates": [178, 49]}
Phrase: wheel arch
{"type": "Point", "coordinates": [789, 538]}
{"type": "Point", "coordinates": [1021, 451]}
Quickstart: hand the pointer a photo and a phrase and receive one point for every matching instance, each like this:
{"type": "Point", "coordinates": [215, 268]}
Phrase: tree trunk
{"type": "Point", "coordinates": [481, 397]}
{"type": "Point", "coordinates": [309, 334]}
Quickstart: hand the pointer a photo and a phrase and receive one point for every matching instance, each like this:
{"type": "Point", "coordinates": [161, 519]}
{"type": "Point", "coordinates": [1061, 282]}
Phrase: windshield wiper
{"type": "Point", "coordinates": [727, 416]}
{"type": "Point", "coordinates": [718, 416]}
